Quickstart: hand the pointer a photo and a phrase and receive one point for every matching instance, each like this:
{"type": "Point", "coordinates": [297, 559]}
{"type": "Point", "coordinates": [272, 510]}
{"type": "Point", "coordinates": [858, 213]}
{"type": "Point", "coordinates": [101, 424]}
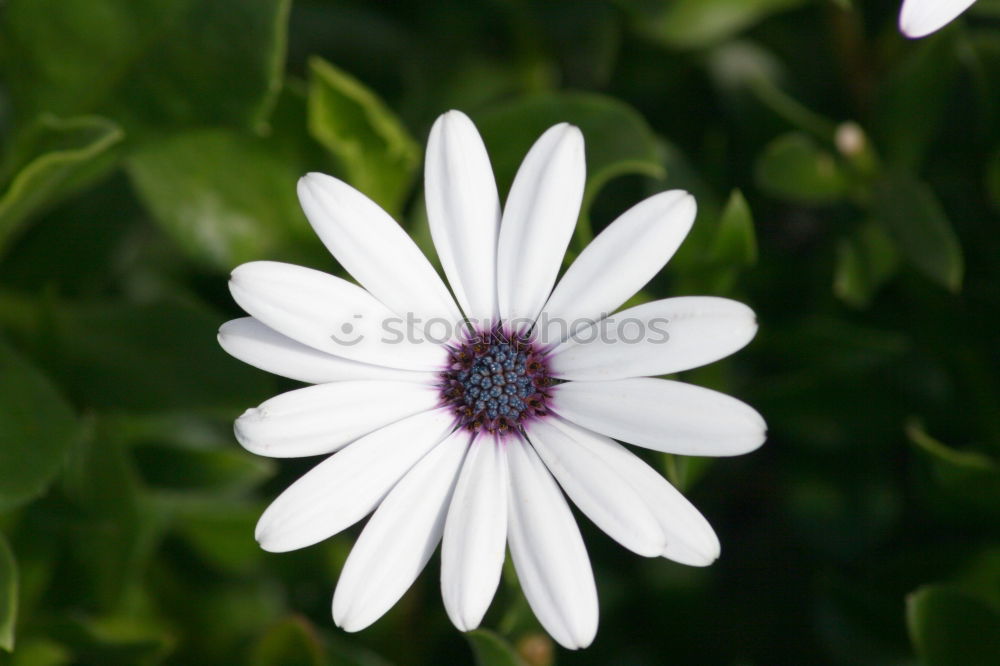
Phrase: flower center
{"type": "Point", "coordinates": [495, 381]}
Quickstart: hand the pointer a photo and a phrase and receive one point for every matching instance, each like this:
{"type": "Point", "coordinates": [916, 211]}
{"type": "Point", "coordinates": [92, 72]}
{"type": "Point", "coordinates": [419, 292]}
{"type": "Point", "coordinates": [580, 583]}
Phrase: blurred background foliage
{"type": "Point", "coordinates": [849, 190]}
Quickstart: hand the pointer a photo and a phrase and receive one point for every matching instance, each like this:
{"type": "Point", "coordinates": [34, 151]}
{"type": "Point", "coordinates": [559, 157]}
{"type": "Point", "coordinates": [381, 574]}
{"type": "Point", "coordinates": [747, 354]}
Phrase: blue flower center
{"type": "Point", "coordinates": [495, 381]}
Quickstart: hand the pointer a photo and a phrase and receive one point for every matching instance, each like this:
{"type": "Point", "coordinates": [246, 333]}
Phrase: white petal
{"type": "Point", "coordinates": [656, 338]}
{"type": "Point", "coordinates": [331, 315]}
{"type": "Point", "coordinates": [254, 343]}
{"type": "Point", "coordinates": [663, 415]}
{"type": "Point", "coordinates": [463, 209]}
{"type": "Point", "coordinates": [475, 531]}
{"type": "Point", "coordinates": [606, 498]}
{"type": "Point", "coordinates": [548, 552]}
{"type": "Point", "coordinates": [920, 18]}
{"type": "Point", "coordinates": [375, 250]}
{"type": "Point", "coordinates": [345, 487]}
{"type": "Point", "coordinates": [617, 264]}
{"type": "Point", "coordinates": [321, 419]}
{"type": "Point", "coordinates": [689, 538]}
{"type": "Point", "coordinates": [400, 538]}
{"type": "Point", "coordinates": [538, 221]}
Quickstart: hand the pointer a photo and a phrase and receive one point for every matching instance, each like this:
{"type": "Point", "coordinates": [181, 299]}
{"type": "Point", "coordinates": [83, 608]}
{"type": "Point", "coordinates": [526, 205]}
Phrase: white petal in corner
{"type": "Point", "coordinates": [345, 487]}
{"type": "Point", "coordinates": [331, 315]}
{"type": "Point", "coordinates": [463, 209]}
{"type": "Point", "coordinates": [663, 415]}
{"type": "Point", "coordinates": [375, 250]}
{"type": "Point", "coordinates": [656, 338]}
{"type": "Point", "coordinates": [475, 531]}
{"type": "Point", "coordinates": [548, 551]}
{"type": "Point", "coordinates": [400, 538]}
{"type": "Point", "coordinates": [920, 18]}
{"type": "Point", "coordinates": [254, 343]}
{"type": "Point", "coordinates": [606, 498]}
{"type": "Point", "coordinates": [689, 538]}
{"type": "Point", "coordinates": [538, 221]}
{"type": "Point", "coordinates": [617, 264]}
{"type": "Point", "coordinates": [321, 419]}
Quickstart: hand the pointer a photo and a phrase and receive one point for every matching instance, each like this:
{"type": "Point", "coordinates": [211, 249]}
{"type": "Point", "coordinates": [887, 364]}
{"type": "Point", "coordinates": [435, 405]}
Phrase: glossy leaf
{"type": "Point", "coordinates": [688, 24]}
{"type": "Point", "coordinates": [39, 652]}
{"type": "Point", "coordinates": [735, 243]}
{"type": "Point", "coordinates": [8, 595]}
{"type": "Point", "coordinates": [37, 428]}
{"type": "Point", "coordinates": [492, 650]}
{"type": "Point", "coordinates": [793, 167]}
{"type": "Point", "coordinates": [913, 217]}
{"type": "Point", "coordinates": [223, 197]}
{"type": "Point", "coordinates": [951, 628]}
{"type": "Point", "coordinates": [220, 532]}
{"type": "Point", "coordinates": [374, 150]}
{"type": "Point", "coordinates": [146, 64]}
{"type": "Point", "coordinates": [618, 140]}
{"type": "Point", "coordinates": [51, 159]}
{"type": "Point", "coordinates": [865, 261]}
{"type": "Point", "coordinates": [719, 248]}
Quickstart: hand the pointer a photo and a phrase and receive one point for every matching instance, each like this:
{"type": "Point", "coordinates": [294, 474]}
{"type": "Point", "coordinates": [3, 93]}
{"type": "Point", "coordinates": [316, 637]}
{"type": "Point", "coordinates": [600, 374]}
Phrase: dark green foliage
{"type": "Point", "coordinates": [848, 184]}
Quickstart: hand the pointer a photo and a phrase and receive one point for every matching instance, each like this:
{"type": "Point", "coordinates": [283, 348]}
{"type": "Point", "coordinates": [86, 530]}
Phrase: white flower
{"type": "Point", "coordinates": [920, 18]}
{"type": "Point", "coordinates": [468, 439]}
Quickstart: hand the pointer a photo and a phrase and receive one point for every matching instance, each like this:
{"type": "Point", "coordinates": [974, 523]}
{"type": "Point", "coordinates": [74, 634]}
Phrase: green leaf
{"type": "Point", "coordinates": [865, 260]}
{"type": "Point", "coordinates": [685, 472]}
{"type": "Point", "coordinates": [113, 529]}
{"type": "Point", "coordinates": [51, 159]}
{"type": "Point", "coordinates": [689, 263]}
{"type": "Point", "coordinates": [720, 246]}
{"type": "Point", "coordinates": [219, 531]}
{"type": "Point", "coordinates": [37, 427]}
{"type": "Point", "coordinates": [150, 357]}
{"type": "Point", "coordinates": [36, 651]}
{"type": "Point", "coordinates": [291, 642]}
{"type": "Point", "coordinates": [219, 470]}
{"type": "Point", "coordinates": [969, 461]}
{"type": "Point", "coordinates": [146, 64]}
{"type": "Point", "coordinates": [374, 150]}
{"type": "Point", "coordinates": [793, 167]}
{"type": "Point", "coordinates": [912, 215]}
{"type": "Point", "coordinates": [951, 628]}
{"type": "Point", "coordinates": [492, 650]}
{"type": "Point", "coordinates": [970, 477]}
{"type": "Point", "coordinates": [183, 457]}
{"type": "Point", "coordinates": [735, 243]}
{"type": "Point", "coordinates": [921, 81]}
{"type": "Point", "coordinates": [686, 24]}
{"type": "Point", "coordinates": [223, 197]}
{"type": "Point", "coordinates": [8, 595]}
{"type": "Point", "coordinates": [618, 139]}
{"type": "Point", "coordinates": [112, 640]}
{"type": "Point", "coordinates": [993, 180]}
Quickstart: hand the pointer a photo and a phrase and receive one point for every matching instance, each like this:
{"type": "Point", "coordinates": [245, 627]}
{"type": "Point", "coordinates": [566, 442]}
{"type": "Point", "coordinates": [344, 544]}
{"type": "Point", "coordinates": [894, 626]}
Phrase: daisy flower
{"type": "Point", "coordinates": [468, 420]}
{"type": "Point", "coordinates": [920, 18]}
